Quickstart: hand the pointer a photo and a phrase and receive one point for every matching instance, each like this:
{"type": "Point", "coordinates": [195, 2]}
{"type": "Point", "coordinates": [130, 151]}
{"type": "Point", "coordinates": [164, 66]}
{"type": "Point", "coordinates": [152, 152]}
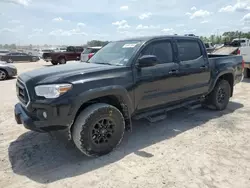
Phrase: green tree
{"type": "Point", "coordinates": [12, 46]}
{"type": "Point", "coordinates": [6, 46]}
{"type": "Point", "coordinates": [96, 43]}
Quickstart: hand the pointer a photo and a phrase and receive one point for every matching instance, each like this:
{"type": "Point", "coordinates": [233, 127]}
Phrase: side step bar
{"type": "Point", "coordinates": [159, 114]}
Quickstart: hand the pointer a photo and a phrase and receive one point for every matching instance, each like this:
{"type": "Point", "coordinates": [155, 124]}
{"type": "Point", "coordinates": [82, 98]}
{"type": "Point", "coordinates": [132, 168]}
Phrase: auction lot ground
{"type": "Point", "coordinates": [199, 148]}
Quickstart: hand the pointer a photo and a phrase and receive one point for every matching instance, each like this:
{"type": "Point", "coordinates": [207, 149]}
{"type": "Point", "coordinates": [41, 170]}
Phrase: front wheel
{"type": "Point", "coordinates": [54, 62]}
{"type": "Point", "coordinates": [3, 75]}
{"type": "Point", "coordinates": [10, 61]}
{"type": "Point", "coordinates": [219, 97]}
{"type": "Point", "coordinates": [98, 129]}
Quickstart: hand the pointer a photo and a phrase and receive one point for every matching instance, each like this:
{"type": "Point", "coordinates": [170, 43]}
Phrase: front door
{"type": "Point", "coordinates": [194, 68]}
{"type": "Point", "coordinates": [156, 85]}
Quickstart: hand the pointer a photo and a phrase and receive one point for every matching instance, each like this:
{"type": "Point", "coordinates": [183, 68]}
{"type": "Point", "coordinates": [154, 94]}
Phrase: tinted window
{"type": "Point", "coordinates": [70, 49]}
{"type": "Point", "coordinates": [14, 54]}
{"type": "Point", "coordinates": [188, 50]}
{"type": "Point", "coordinates": [162, 50]}
{"type": "Point", "coordinates": [90, 50]}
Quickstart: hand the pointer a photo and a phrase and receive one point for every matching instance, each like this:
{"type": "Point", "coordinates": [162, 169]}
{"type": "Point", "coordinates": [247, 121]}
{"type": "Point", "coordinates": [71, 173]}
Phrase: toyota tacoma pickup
{"type": "Point", "coordinates": [127, 79]}
{"type": "Point", "coordinates": [71, 53]}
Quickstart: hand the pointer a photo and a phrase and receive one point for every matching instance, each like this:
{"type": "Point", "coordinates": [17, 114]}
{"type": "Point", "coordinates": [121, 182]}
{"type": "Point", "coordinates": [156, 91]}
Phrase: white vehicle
{"type": "Point", "coordinates": [243, 41]}
{"type": "Point", "coordinates": [244, 50]}
{"type": "Point", "coordinates": [89, 52]}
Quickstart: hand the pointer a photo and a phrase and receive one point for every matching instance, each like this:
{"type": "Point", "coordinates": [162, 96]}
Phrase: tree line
{"type": "Point", "coordinates": [225, 37]}
{"type": "Point", "coordinates": [216, 39]}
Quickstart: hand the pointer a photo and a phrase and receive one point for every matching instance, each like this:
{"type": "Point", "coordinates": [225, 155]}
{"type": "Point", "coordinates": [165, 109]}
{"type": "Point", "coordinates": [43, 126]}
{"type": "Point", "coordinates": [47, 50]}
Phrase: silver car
{"type": "Point", "coordinates": [89, 52]}
{"type": "Point", "coordinates": [7, 70]}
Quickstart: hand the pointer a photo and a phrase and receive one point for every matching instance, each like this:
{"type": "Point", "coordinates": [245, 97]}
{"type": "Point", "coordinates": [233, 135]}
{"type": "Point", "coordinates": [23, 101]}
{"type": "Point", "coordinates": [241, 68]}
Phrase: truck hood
{"type": "Point", "coordinates": [61, 73]}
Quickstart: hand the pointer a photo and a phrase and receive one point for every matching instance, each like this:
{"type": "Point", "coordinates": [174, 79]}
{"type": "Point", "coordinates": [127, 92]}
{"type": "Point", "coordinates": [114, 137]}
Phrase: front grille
{"type": "Point", "coordinates": [22, 93]}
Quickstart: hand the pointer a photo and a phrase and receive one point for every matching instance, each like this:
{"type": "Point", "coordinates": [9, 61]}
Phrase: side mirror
{"type": "Point", "coordinates": [147, 61]}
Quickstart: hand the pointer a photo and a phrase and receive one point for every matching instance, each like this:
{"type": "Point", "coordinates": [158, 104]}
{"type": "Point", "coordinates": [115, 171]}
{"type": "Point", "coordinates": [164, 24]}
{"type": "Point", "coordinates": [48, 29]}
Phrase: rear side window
{"type": "Point", "coordinates": [162, 50]}
{"type": "Point", "coordinates": [90, 50]}
{"type": "Point", "coordinates": [188, 50]}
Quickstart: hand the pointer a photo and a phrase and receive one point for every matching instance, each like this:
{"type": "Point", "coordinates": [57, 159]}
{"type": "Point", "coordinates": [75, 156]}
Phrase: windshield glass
{"type": "Point", "coordinates": [116, 53]}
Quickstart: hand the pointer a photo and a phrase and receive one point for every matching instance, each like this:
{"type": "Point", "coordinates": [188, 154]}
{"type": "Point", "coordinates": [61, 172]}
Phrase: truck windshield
{"type": "Point", "coordinates": [116, 53]}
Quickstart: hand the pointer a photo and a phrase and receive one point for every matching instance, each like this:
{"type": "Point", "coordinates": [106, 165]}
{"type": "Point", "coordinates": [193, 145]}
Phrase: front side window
{"type": "Point", "coordinates": [162, 50]}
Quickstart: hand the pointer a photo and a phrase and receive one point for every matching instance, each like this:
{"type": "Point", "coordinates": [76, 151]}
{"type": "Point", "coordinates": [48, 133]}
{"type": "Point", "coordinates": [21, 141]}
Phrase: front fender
{"type": "Point", "coordinates": [120, 92]}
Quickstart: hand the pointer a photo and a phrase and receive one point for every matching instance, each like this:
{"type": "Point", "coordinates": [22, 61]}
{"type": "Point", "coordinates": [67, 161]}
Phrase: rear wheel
{"type": "Point", "coordinates": [62, 60]}
{"type": "Point", "coordinates": [3, 74]}
{"type": "Point", "coordinates": [54, 62]}
{"type": "Point", "coordinates": [9, 60]}
{"type": "Point", "coordinates": [219, 97]}
{"type": "Point", "coordinates": [98, 129]}
{"type": "Point", "coordinates": [33, 59]}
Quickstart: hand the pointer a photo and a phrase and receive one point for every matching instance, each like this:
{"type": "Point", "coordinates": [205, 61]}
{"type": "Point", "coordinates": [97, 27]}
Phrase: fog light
{"type": "Point", "coordinates": [45, 115]}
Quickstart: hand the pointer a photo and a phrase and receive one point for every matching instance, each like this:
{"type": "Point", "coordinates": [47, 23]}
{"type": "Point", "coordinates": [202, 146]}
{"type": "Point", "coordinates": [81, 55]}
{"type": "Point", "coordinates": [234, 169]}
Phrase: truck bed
{"type": "Point", "coordinates": [218, 62]}
{"type": "Point", "coordinates": [225, 50]}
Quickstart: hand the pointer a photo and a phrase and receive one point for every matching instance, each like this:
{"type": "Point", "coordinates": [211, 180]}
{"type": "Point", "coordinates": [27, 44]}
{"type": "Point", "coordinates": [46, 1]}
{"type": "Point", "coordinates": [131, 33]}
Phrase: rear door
{"type": "Point", "coordinates": [194, 68]}
{"type": "Point", "coordinates": [71, 53]}
{"type": "Point", "coordinates": [157, 85]}
{"type": "Point", "coordinates": [25, 57]}
{"type": "Point", "coordinates": [15, 56]}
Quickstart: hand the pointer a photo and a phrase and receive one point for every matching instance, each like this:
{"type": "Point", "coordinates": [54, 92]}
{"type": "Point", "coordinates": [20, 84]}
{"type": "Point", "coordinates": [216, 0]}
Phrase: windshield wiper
{"type": "Point", "coordinates": [102, 63]}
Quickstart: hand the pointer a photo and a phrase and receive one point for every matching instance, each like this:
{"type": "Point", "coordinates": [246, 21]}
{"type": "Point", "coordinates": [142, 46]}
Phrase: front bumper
{"type": "Point", "coordinates": [35, 122]}
{"type": "Point", "coordinates": [23, 118]}
{"type": "Point", "coordinates": [12, 72]}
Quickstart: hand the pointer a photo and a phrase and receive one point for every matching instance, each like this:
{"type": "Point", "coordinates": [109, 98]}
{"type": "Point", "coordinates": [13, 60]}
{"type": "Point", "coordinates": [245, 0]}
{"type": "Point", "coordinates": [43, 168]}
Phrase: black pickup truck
{"type": "Point", "coordinates": [135, 78]}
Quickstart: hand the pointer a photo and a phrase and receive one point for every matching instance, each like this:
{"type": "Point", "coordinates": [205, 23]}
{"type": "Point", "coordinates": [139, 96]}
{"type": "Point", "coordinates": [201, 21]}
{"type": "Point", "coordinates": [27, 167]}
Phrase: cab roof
{"type": "Point", "coordinates": [147, 38]}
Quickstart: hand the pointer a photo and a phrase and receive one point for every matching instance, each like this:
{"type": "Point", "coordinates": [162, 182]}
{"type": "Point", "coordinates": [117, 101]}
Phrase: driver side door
{"type": "Point", "coordinates": [156, 84]}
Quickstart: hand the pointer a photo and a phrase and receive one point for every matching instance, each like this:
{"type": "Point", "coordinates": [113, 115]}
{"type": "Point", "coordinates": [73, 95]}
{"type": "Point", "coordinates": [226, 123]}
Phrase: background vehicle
{"type": "Point", "coordinates": [3, 52]}
{"type": "Point", "coordinates": [7, 70]}
{"type": "Point", "coordinates": [89, 52]}
{"type": "Point", "coordinates": [61, 49]}
{"type": "Point", "coordinates": [244, 50]}
{"type": "Point", "coordinates": [42, 51]}
{"type": "Point", "coordinates": [136, 78]}
{"type": "Point", "coordinates": [72, 53]}
{"type": "Point", "coordinates": [18, 56]}
{"type": "Point", "coordinates": [209, 47]}
{"type": "Point", "coordinates": [238, 46]}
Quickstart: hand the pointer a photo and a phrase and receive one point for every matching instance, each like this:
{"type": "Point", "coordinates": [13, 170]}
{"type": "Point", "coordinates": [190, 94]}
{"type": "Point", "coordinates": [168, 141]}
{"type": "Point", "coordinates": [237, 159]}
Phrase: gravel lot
{"type": "Point", "coordinates": [198, 148]}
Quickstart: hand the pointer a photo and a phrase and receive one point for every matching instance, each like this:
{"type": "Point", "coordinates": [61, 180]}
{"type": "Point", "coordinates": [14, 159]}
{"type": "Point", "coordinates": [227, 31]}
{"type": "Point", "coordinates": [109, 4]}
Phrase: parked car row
{"type": "Point", "coordinates": [18, 56]}
{"type": "Point", "coordinates": [7, 70]}
{"type": "Point", "coordinates": [72, 53]}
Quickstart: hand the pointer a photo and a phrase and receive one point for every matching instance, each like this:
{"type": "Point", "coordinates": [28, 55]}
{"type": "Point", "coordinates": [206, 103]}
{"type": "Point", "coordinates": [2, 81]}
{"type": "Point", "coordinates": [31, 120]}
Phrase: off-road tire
{"type": "Point", "coordinates": [82, 131]}
{"type": "Point", "coordinates": [54, 62]}
{"type": "Point", "coordinates": [219, 97]}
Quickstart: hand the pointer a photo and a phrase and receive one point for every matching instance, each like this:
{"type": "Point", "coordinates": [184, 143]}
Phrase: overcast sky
{"type": "Point", "coordinates": [77, 21]}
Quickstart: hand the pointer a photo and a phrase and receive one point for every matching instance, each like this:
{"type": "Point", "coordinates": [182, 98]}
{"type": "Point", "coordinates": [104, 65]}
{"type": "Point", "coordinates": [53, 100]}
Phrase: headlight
{"type": "Point", "coordinates": [52, 91]}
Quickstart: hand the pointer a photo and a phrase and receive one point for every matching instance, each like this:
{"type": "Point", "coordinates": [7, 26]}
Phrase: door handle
{"type": "Point", "coordinates": [203, 67]}
{"type": "Point", "coordinates": [173, 72]}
